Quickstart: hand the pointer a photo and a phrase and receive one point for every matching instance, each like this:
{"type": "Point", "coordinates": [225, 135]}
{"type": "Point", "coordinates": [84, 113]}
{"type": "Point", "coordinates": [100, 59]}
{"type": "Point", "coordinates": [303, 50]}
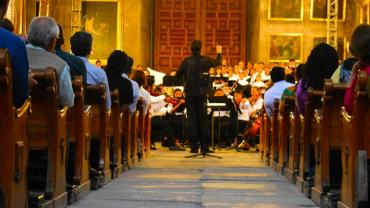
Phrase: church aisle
{"type": "Point", "coordinates": [167, 179]}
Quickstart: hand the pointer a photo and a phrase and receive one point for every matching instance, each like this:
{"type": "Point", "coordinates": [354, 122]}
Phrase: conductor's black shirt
{"type": "Point", "coordinates": [192, 68]}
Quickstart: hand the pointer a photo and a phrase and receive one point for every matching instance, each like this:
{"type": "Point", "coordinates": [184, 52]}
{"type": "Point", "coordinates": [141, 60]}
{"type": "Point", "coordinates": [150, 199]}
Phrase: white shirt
{"type": "Point", "coordinates": [145, 95]}
{"type": "Point", "coordinates": [275, 92]}
{"type": "Point", "coordinates": [245, 108]}
{"type": "Point", "coordinates": [158, 105]}
{"type": "Point", "coordinates": [135, 94]}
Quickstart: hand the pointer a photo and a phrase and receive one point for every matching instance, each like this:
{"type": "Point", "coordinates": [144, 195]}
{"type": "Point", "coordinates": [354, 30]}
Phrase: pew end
{"type": "Point", "coordinates": [356, 130]}
{"type": "Point", "coordinates": [48, 136]}
{"type": "Point", "coordinates": [100, 172]}
{"type": "Point", "coordinates": [78, 119]}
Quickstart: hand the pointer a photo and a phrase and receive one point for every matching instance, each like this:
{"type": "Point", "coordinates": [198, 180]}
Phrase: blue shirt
{"type": "Point", "coordinates": [19, 60]}
{"type": "Point", "coordinates": [95, 76]}
{"type": "Point", "coordinates": [135, 94]}
{"type": "Point", "coordinates": [275, 92]}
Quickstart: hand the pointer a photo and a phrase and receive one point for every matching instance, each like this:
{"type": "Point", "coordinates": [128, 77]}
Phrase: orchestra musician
{"type": "Point", "coordinates": [176, 115]}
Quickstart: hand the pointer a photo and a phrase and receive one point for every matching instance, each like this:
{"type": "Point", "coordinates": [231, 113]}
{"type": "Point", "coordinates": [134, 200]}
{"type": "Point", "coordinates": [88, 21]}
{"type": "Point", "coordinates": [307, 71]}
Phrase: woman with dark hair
{"type": "Point", "coordinates": [117, 70]}
{"type": "Point", "coordinates": [321, 64]}
{"type": "Point", "coordinates": [360, 48]}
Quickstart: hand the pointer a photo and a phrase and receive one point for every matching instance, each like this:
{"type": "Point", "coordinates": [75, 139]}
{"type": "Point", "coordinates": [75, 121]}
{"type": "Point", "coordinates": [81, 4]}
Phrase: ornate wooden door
{"type": "Point", "coordinates": [178, 22]}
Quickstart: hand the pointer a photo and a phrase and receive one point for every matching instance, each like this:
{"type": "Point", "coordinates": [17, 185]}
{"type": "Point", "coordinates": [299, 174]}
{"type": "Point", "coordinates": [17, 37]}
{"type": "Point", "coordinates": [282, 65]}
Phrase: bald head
{"type": "Point", "coordinates": [43, 32]}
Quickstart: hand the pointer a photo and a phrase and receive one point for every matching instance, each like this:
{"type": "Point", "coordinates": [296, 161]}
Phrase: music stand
{"type": "Point", "coordinates": [219, 104]}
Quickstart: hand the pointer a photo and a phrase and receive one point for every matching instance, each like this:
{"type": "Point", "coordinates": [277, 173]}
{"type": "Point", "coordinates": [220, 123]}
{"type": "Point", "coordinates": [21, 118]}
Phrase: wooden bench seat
{"type": "Point", "coordinates": [307, 139]}
{"type": "Point", "coordinates": [148, 129]}
{"type": "Point", "coordinates": [274, 135]}
{"type": "Point", "coordinates": [356, 128]}
{"type": "Point", "coordinates": [78, 121]}
{"type": "Point", "coordinates": [100, 172]}
{"type": "Point", "coordinates": [293, 150]}
{"type": "Point", "coordinates": [126, 127]}
{"type": "Point", "coordinates": [48, 142]}
{"type": "Point", "coordinates": [115, 132]}
{"type": "Point", "coordinates": [328, 141]}
{"type": "Point", "coordinates": [13, 141]}
{"type": "Point", "coordinates": [287, 104]}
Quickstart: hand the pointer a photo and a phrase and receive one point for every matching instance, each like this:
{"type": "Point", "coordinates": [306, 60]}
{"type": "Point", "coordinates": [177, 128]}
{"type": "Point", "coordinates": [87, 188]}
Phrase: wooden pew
{"type": "Point", "coordinates": [148, 129]}
{"type": "Point", "coordinates": [293, 150]}
{"type": "Point", "coordinates": [328, 140]}
{"type": "Point", "coordinates": [135, 132]}
{"type": "Point", "coordinates": [115, 132]}
{"type": "Point", "coordinates": [267, 140]}
{"type": "Point", "coordinates": [48, 143]}
{"type": "Point", "coordinates": [78, 121]}
{"type": "Point", "coordinates": [13, 141]}
{"type": "Point", "coordinates": [308, 131]}
{"type": "Point", "coordinates": [126, 127]}
{"type": "Point", "coordinates": [100, 172]}
{"type": "Point", "coordinates": [287, 104]}
{"type": "Point", "coordinates": [262, 137]}
{"type": "Point", "coordinates": [274, 136]}
{"type": "Point", "coordinates": [141, 135]}
{"type": "Point", "coordinates": [356, 130]}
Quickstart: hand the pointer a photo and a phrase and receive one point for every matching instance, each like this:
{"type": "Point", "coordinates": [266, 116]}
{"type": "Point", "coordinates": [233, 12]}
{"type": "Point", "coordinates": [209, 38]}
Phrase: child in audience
{"type": "Point", "coordinates": [360, 48]}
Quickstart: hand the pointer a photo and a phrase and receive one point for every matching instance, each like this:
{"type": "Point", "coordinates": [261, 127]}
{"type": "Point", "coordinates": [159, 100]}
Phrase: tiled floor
{"type": "Point", "coordinates": [167, 179]}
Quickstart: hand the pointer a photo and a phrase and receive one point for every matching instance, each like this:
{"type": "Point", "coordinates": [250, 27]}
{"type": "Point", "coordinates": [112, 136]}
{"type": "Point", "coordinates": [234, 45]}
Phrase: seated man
{"type": "Point", "coordinates": [140, 78]}
{"type": "Point", "coordinates": [18, 55]}
{"type": "Point", "coordinates": [135, 86]}
{"type": "Point", "coordinates": [42, 37]}
{"type": "Point", "coordinates": [277, 89]}
{"type": "Point", "coordinates": [81, 45]}
{"type": "Point", "coordinates": [77, 67]}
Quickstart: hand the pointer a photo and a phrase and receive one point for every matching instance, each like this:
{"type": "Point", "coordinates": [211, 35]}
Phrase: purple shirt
{"type": "Point", "coordinates": [301, 96]}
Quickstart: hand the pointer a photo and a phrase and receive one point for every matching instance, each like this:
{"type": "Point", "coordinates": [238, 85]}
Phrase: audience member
{"type": "Point", "coordinates": [277, 89]}
{"type": "Point", "coordinates": [118, 64]}
{"type": "Point", "coordinates": [6, 24]}
{"type": "Point", "coordinates": [360, 48]}
{"type": "Point", "coordinates": [140, 78]}
{"type": "Point", "coordinates": [81, 46]}
{"type": "Point", "coordinates": [76, 65]}
{"type": "Point", "coordinates": [320, 65]}
{"type": "Point", "coordinates": [42, 37]}
{"type": "Point", "coordinates": [135, 86]}
{"type": "Point", "coordinates": [19, 60]}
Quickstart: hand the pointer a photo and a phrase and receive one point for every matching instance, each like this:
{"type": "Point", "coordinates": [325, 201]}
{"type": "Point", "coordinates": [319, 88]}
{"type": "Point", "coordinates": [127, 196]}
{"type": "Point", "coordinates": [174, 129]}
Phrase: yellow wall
{"type": "Point", "coordinates": [261, 28]}
{"type": "Point", "coordinates": [137, 20]}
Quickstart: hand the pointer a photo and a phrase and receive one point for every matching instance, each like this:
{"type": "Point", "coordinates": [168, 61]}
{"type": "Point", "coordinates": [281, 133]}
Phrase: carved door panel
{"type": "Point", "coordinates": [224, 23]}
{"type": "Point", "coordinates": [178, 22]}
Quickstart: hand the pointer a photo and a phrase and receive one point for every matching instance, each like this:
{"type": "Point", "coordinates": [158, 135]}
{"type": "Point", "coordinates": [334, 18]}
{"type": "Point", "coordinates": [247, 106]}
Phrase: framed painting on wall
{"type": "Point", "coordinates": [99, 18]}
{"type": "Point", "coordinates": [340, 45]}
{"type": "Point", "coordinates": [287, 10]}
{"type": "Point", "coordinates": [283, 47]}
{"type": "Point", "coordinates": [319, 10]}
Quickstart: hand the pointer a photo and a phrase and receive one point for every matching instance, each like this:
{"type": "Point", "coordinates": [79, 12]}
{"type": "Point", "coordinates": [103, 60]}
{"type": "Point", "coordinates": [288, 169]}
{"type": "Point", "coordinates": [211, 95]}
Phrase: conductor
{"type": "Point", "coordinates": [193, 69]}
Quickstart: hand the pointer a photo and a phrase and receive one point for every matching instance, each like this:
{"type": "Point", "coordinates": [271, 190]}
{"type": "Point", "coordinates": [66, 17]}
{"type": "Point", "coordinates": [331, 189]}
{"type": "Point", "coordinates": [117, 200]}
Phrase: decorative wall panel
{"type": "Point", "coordinates": [178, 22]}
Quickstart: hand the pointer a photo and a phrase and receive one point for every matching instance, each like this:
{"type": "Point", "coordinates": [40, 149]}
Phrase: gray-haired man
{"type": "Point", "coordinates": [42, 37]}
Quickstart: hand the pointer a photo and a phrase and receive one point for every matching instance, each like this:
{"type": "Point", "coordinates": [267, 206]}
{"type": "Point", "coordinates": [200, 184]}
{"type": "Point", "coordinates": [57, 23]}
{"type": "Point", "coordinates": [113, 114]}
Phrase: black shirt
{"type": "Point", "coordinates": [124, 87]}
{"type": "Point", "coordinates": [192, 69]}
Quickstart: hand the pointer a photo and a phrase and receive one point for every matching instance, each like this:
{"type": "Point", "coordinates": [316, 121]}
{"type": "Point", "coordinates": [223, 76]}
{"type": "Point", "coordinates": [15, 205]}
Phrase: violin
{"type": "Point", "coordinates": [175, 101]}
